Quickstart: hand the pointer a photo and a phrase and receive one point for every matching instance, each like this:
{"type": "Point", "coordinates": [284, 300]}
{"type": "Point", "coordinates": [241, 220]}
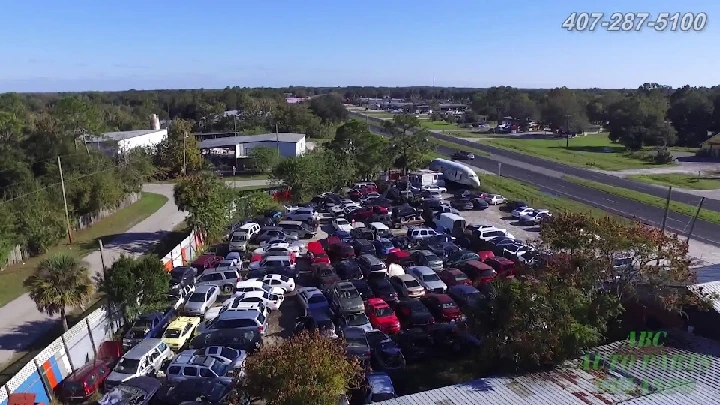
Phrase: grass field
{"type": "Point", "coordinates": [659, 202]}
{"type": "Point", "coordinates": [455, 146]}
{"type": "Point", "coordinates": [84, 242]}
{"type": "Point", "coordinates": [690, 182]}
{"type": "Point", "coordinates": [378, 114]}
{"type": "Point", "coordinates": [440, 125]}
{"type": "Point", "coordinates": [585, 151]}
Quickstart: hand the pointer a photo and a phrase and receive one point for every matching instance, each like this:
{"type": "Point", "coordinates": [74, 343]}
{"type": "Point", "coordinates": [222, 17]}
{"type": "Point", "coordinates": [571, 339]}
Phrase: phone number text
{"type": "Point", "coordinates": [628, 22]}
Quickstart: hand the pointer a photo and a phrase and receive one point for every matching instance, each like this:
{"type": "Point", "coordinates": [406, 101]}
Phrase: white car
{"type": "Point", "coordinates": [427, 278]}
{"type": "Point", "coordinates": [276, 280]}
{"type": "Point", "coordinates": [284, 239]}
{"type": "Point", "coordinates": [337, 210]}
{"type": "Point", "coordinates": [201, 300]}
{"type": "Point", "coordinates": [433, 195]}
{"type": "Point", "coordinates": [236, 263]}
{"type": "Point", "coordinates": [302, 214]}
{"type": "Point", "coordinates": [495, 199]}
{"type": "Point", "coordinates": [535, 217]}
{"type": "Point", "coordinates": [273, 261]}
{"type": "Point", "coordinates": [488, 233]}
{"type": "Point", "coordinates": [255, 285]}
{"type": "Point", "coordinates": [271, 301]}
{"type": "Point", "coordinates": [522, 211]}
{"type": "Point", "coordinates": [439, 189]}
{"type": "Point", "coordinates": [282, 249]}
{"type": "Point", "coordinates": [291, 208]}
{"type": "Point", "coordinates": [342, 224]}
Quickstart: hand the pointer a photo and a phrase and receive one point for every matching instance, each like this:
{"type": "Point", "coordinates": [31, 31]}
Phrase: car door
{"type": "Point", "coordinates": [190, 372]}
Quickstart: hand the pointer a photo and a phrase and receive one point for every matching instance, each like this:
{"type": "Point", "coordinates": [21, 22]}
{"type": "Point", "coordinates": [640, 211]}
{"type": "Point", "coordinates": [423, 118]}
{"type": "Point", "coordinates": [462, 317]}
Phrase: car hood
{"type": "Point", "coordinates": [194, 305]}
{"type": "Point", "coordinates": [433, 285]}
{"type": "Point", "coordinates": [352, 304]}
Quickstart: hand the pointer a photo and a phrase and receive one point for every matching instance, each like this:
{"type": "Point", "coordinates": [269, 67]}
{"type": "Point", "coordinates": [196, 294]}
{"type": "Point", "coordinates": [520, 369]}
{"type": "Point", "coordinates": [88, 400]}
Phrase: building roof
{"type": "Point", "coordinates": [236, 140]}
{"type": "Point", "coordinates": [684, 371]}
{"type": "Point", "coordinates": [120, 135]}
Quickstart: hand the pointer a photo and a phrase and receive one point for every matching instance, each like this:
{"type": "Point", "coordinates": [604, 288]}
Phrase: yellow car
{"type": "Point", "coordinates": [179, 331]}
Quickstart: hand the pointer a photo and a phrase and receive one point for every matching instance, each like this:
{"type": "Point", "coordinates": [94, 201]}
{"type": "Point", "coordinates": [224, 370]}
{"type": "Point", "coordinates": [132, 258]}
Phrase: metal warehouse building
{"type": "Point", "coordinates": [288, 144]}
{"type": "Point", "coordinates": [120, 142]}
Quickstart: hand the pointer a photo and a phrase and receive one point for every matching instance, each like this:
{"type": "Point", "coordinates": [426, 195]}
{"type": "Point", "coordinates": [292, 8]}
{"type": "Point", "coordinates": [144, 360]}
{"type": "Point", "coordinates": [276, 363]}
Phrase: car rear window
{"type": "Point", "coordinates": [412, 283]}
{"type": "Point", "coordinates": [230, 274]}
{"type": "Point", "coordinates": [234, 323]}
{"type": "Point", "coordinates": [211, 277]}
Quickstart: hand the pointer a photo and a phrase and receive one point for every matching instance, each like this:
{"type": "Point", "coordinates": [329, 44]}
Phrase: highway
{"type": "Point", "coordinates": [705, 232]}
{"type": "Point", "coordinates": [526, 160]}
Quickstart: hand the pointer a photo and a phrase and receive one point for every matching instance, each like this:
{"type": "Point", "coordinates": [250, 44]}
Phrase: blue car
{"type": "Point", "coordinates": [383, 246]}
{"type": "Point", "coordinates": [344, 236]}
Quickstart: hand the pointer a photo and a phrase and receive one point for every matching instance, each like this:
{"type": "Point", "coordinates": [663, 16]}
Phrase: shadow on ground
{"type": "Point", "coordinates": [160, 242]}
{"type": "Point", "coordinates": [18, 338]}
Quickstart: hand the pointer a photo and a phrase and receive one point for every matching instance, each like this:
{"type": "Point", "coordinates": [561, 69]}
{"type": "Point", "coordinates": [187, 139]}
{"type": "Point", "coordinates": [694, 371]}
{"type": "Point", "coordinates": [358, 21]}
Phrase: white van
{"type": "Point", "coordinates": [240, 238]}
{"type": "Point", "coordinates": [450, 223]}
{"type": "Point", "coordinates": [381, 230]}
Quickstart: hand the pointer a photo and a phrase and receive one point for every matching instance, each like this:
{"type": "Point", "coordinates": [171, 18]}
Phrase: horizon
{"type": "Point", "coordinates": [87, 46]}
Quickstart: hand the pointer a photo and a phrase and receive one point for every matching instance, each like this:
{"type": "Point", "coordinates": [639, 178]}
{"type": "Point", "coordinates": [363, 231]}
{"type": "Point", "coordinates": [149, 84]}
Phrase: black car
{"type": "Point", "coordinates": [462, 204]}
{"type": "Point", "coordinates": [444, 249]}
{"type": "Point", "coordinates": [181, 277]}
{"type": "Point", "coordinates": [463, 155]}
{"type": "Point", "coordinates": [382, 288]}
{"type": "Point", "coordinates": [401, 242]}
{"type": "Point", "coordinates": [209, 391]}
{"type": "Point", "coordinates": [248, 339]}
{"type": "Point", "coordinates": [357, 343]}
{"type": "Point", "coordinates": [348, 269]}
{"type": "Point", "coordinates": [413, 314]}
{"type": "Point", "coordinates": [363, 288]}
{"type": "Point", "coordinates": [453, 340]}
{"type": "Point", "coordinates": [318, 320]}
{"type": "Point", "coordinates": [136, 391]}
{"type": "Point", "coordinates": [415, 344]}
{"type": "Point", "coordinates": [386, 354]}
{"type": "Point", "coordinates": [479, 203]}
{"type": "Point", "coordinates": [511, 206]}
{"type": "Point", "coordinates": [364, 246]}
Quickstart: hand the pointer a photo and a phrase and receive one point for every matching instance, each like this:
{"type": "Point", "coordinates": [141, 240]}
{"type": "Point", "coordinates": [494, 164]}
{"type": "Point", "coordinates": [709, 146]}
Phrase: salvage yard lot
{"type": "Point", "coordinates": [585, 151]}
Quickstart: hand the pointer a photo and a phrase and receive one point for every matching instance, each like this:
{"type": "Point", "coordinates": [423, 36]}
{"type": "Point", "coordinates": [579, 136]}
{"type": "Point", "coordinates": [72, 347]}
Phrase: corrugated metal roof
{"type": "Point", "coordinates": [236, 140]}
{"type": "Point", "coordinates": [118, 136]}
{"type": "Point", "coordinates": [712, 288]}
{"type": "Point", "coordinates": [684, 371]}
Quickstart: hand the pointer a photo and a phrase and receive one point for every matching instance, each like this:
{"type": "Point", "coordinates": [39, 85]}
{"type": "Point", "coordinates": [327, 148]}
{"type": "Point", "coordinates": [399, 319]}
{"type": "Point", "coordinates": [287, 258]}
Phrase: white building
{"type": "Point", "coordinates": [289, 144]}
{"type": "Point", "coordinates": [123, 141]}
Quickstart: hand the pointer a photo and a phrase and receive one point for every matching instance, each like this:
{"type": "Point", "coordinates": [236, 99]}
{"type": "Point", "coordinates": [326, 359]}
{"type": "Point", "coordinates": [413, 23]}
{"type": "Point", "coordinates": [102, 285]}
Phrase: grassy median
{"type": "Point", "coordinates": [682, 180]}
{"type": "Point", "coordinates": [647, 199]}
{"type": "Point", "coordinates": [84, 242]}
{"type": "Point", "coordinates": [455, 146]}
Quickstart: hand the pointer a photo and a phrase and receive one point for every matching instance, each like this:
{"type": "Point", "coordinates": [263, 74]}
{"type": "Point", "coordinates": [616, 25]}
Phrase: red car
{"type": "Point", "coordinates": [399, 256]}
{"type": "Point", "coordinates": [317, 253]}
{"type": "Point", "coordinates": [504, 267]}
{"type": "Point", "coordinates": [340, 251]}
{"type": "Point", "coordinates": [453, 277]}
{"type": "Point", "coordinates": [86, 380]}
{"type": "Point", "coordinates": [485, 254]}
{"type": "Point", "coordinates": [256, 258]}
{"type": "Point", "coordinates": [442, 307]}
{"type": "Point", "coordinates": [205, 262]}
{"type": "Point", "coordinates": [478, 272]}
{"type": "Point", "coordinates": [381, 316]}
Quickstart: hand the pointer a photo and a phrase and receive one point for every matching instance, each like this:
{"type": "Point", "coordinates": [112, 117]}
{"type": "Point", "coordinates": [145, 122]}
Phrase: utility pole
{"type": "Point", "coordinates": [277, 139]}
{"type": "Point", "coordinates": [102, 256]}
{"type": "Point", "coordinates": [184, 167]}
{"type": "Point", "coordinates": [499, 167]}
{"type": "Point", "coordinates": [567, 131]}
{"type": "Point", "coordinates": [692, 223]}
{"type": "Point", "coordinates": [67, 213]}
{"type": "Point", "coordinates": [667, 208]}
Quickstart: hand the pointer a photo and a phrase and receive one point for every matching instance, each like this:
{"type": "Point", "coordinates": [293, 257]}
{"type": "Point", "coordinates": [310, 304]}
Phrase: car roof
{"type": "Point", "coordinates": [204, 288]}
{"type": "Point", "coordinates": [142, 348]}
{"type": "Point", "coordinates": [376, 302]}
{"type": "Point", "coordinates": [353, 331]}
{"type": "Point", "coordinates": [464, 288]}
{"type": "Point", "coordinates": [421, 269]}
{"type": "Point", "coordinates": [405, 277]}
{"type": "Point", "coordinates": [380, 383]}
{"type": "Point", "coordinates": [249, 314]}
{"type": "Point", "coordinates": [440, 297]}
{"type": "Point", "coordinates": [345, 285]}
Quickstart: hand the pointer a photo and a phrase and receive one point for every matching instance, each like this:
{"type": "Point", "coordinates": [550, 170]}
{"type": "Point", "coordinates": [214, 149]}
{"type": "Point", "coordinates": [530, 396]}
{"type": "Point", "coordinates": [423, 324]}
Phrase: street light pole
{"type": "Point", "coordinates": [184, 167]}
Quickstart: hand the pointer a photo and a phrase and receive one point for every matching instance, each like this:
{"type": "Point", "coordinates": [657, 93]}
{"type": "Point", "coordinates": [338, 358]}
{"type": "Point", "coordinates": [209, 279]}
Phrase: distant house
{"type": "Point", "coordinates": [711, 147]}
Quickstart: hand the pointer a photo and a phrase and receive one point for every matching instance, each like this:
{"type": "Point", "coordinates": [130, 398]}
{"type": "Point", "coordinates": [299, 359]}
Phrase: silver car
{"type": "Point", "coordinates": [428, 278]}
{"type": "Point", "coordinates": [202, 299]}
{"type": "Point", "coordinates": [347, 299]}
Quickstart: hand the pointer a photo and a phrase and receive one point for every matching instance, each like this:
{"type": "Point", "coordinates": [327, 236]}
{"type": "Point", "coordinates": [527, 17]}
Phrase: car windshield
{"type": "Point", "coordinates": [227, 353]}
{"type": "Point", "coordinates": [342, 222]}
{"type": "Point", "coordinates": [218, 368]}
{"type": "Point", "coordinates": [383, 311]}
{"type": "Point", "coordinates": [237, 238]}
{"type": "Point", "coordinates": [197, 297]}
{"type": "Point", "coordinates": [432, 258]}
{"type": "Point", "coordinates": [136, 334]}
{"type": "Point", "coordinates": [460, 276]}
{"type": "Point", "coordinates": [172, 333]}
{"type": "Point", "coordinates": [357, 320]}
{"type": "Point", "coordinates": [431, 277]}
{"type": "Point", "coordinates": [349, 294]}
{"type": "Point", "coordinates": [142, 324]}
{"type": "Point", "coordinates": [356, 341]}
{"type": "Point", "coordinates": [127, 366]}
{"type": "Point", "coordinates": [386, 245]}
{"type": "Point", "coordinates": [234, 323]}
{"type": "Point", "coordinates": [411, 283]}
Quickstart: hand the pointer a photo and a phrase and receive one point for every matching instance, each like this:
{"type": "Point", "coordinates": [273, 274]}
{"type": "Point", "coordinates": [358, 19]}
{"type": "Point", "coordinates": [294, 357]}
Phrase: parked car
{"type": "Point", "coordinates": [480, 273]}
{"type": "Point", "coordinates": [511, 206]}
{"type": "Point", "coordinates": [386, 354]}
{"type": "Point", "coordinates": [364, 246]}
{"type": "Point", "coordinates": [317, 320]}
{"type": "Point", "coordinates": [246, 339]}
{"type": "Point", "coordinates": [442, 307]}
{"type": "Point", "coordinates": [317, 253]}
{"type": "Point", "coordinates": [346, 298]}
{"type": "Point", "coordinates": [453, 277]}
{"type": "Point", "coordinates": [479, 203]}
{"type": "Point", "coordinates": [271, 301]}
{"type": "Point", "coordinates": [503, 266]}
{"type": "Point", "coordinates": [85, 381]}
{"type": "Point", "coordinates": [357, 343]}
{"type": "Point", "coordinates": [464, 295]}
{"type": "Point", "coordinates": [341, 224]}
{"type": "Point", "coordinates": [427, 258]}
{"type": "Point", "coordinates": [201, 300]}
{"type": "Point", "coordinates": [412, 313]}
{"type": "Point", "coordinates": [383, 289]}
{"type": "Point", "coordinates": [150, 325]}
{"type": "Point", "coordinates": [382, 316]}
{"type": "Point", "coordinates": [494, 199]}
{"type": "Point", "coordinates": [287, 284]}
{"type": "Point", "coordinates": [205, 262]}
{"type": "Point", "coordinates": [443, 250]}
{"type": "Point", "coordinates": [232, 356]}
{"type": "Point", "coordinates": [462, 204]}
{"type": "Point", "coordinates": [372, 266]}
{"type": "Point", "coordinates": [427, 278]}
{"type": "Point", "coordinates": [224, 277]}
{"type": "Point", "coordinates": [415, 344]}
{"type": "Point", "coordinates": [144, 359]}
{"type": "Point", "coordinates": [450, 339]}
{"type": "Point", "coordinates": [359, 321]}
{"type": "Point", "coordinates": [209, 391]}
{"type": "Point", "coordinates": [180, 277]}
{"type": "Point", "coordinates": [535, 217]}
{"type": "Point", "coordinates": [189, 366]}
{"type": "Point", "coordinates": [348, 270]}
{"type": "Point", "coordinates": [458, 258]}
{"type": "Point", "coordinates": [340, 251]}
{"type": "Point", "coordinates": [463, 155]}
{"type": "Point", "coordinates": [383, 246]}
{"type": "Point", "coordinates": [380, 388]}
{"type": "Point", "coordinates": [407, 286]}
{"type": "Point", "coordinates": [135, 391]}
{"type": "Point", "coordinates": [364, 289]}
{"type": "Point", "coordinates": [520, 211]}
{"type": "Point", "coordinates": [180, 331]}
{"type": "Point", "coordinates": [312, 298]}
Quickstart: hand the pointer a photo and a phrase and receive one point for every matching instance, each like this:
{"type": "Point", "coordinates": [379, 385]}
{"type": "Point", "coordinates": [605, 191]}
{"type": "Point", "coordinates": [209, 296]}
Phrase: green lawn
{"type": "Point", "coordinates": [454, 146]}
{"type": "Point", "coordinates": [690, 182]}
{"type": "Point", "coordinates": [377, 114]}
{"type": "Point", "coordinates": [440, 125]}
{"type": "Point", "coordinates": [84, 242]}
{"type": "Point", "coordinates": [585, 151]}
{"type": "Point", "coordinates": [659, 202]}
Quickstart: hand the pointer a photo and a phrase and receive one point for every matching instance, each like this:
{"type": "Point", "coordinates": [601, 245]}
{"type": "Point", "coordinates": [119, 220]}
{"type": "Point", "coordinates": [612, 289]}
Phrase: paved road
{"type": "Point", "coordinates": [550, 181]}
{"type": "Point", "coordinates": [21, 322]}
{"type": "Point", "coordinates": [558, 170]}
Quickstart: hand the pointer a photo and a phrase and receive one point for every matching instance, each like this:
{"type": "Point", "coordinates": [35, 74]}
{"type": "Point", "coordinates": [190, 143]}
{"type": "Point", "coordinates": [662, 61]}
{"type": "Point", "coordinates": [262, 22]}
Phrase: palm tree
{"type": "Point", "coordinates": [60, 281]}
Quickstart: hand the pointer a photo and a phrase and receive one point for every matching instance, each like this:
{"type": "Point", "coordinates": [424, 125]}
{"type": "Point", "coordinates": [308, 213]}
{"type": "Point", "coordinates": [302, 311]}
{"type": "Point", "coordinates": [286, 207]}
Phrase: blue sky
{"type": "Point", "coordinates": [113, 45]}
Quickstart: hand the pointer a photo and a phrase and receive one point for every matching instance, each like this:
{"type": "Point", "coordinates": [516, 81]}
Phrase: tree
{"type": "Point", "coordinates": [136, 285]}
{"type": "Point", "coordinates": [303, 175]}
{"type": "Point", "coordinates": [409, 143]}
{"type": "Point", "coordinates": [305, 369]}
{"type": "Point", "coordinates": [209, 202]}
{"type": "Point", "coordinates": [639, 120]}
{"type": "Point", "coordinates": [522, 108]}
{"type": "Point", "coordinates": [564, 110]}
{"type": "Point", "coordinates": [179, 153]}
{"type": "Point", "coordinates": [60, 281]}
{"type": "Point", "coordinates": [264, 159]}
{"type": "Point", "coordinates": [250, 203]}
{"type": "Point", "coordinates": [691, 113]}
{"type": "Point", "coordinates": [366, 151]}
{"type": "Point", "coordinates": [329, 108]}
{"type": "Point", "coordinates": [78, 117]}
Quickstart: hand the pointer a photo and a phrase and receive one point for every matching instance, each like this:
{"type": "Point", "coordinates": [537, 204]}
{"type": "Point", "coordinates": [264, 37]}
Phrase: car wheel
{"type": "Point", "coordinates": [227, 289]}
